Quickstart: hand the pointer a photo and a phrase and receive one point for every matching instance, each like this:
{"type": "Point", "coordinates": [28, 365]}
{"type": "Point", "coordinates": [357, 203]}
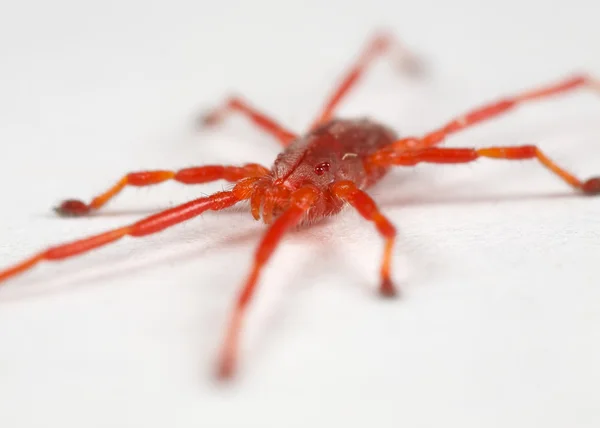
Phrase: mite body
{"type": "Point", "coordinates": [315, 176]}
{"type": "Point", "coordinates": [333, 152]}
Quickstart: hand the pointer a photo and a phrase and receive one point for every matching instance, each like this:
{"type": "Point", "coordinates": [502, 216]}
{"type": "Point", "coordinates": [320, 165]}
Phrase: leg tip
{"type": "Point", "coordinates": [388, 290]}
{"type": "Point", "coordinates": [591, 186]}
{"type": "Point", "coordinates": [72, 208]}
{"type": "Point", "coordinates": [413, 66]}
{"type": "Point", "coordinates": [382, 40]}
{"type": "Point", "coordinates": [208, 119]}
{"type": "Point", "coordinates": [225, 370]}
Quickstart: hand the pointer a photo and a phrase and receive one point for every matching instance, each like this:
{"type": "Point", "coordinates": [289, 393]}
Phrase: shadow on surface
{"type": "Point", "coordinates": [416, 200]}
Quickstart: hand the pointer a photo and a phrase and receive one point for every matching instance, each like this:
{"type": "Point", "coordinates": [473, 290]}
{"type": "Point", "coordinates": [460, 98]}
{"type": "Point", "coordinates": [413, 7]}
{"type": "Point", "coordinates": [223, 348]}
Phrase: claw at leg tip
{"type": "Point", "coordinates": [208, 119]}
{"type": "Point", "coordinates": [387, 289]}
{"type": "Point", "coordinates": [415, 67]}
{"type": "Point", "coordinates": [591, 186]}
{"type": "Point", "coordinates": [72, 208]}
{"type": "Point", "coordinates": [225, 370]}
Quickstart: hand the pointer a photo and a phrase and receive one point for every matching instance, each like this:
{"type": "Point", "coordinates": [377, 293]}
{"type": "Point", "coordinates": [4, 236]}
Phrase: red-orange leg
{"type": "Point", "coordinates": [495, 109]}
{"type": "Point", "coordinates": [152, 224]}
{"type": "Point", "coordinates": [459, 155]}
{"type": "Point", "coordinates": [301, 201]}
{"type": "Point", "coordinates": [379, 45]}
{"type": "Point", "coordinates": [367, 208]}
{"type": "Point", "coordinates": [194, 175]}
{"type": "Point", "coordinates": [235, 104]}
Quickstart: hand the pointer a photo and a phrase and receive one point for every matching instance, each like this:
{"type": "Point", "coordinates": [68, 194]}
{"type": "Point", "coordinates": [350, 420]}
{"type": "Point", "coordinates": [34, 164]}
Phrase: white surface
{"type": "Point", "coordinates": [499, 263]}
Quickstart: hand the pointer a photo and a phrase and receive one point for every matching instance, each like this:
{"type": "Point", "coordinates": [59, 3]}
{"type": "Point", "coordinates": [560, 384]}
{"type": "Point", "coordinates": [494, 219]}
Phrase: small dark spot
{"type": "Point", "coordinates": [322, 168]}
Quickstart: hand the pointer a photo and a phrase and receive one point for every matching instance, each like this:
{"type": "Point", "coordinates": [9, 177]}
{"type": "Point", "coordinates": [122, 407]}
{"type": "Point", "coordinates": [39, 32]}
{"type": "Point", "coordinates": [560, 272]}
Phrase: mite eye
{"type": "Point", "coordinates": [322, 168]}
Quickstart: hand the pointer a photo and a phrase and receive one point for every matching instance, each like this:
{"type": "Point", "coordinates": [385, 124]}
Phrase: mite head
{"type": "Point", "coordinates": [318, 172]}
{"type": "Point", "coordinates": [311, 160]}
{"type": "Point", "coordinates": [298, 166]}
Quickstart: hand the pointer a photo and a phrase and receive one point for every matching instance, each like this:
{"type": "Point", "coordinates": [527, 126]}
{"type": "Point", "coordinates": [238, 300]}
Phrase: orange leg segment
{"type": "Point", "coordinates": [367, 208]}
{"type": "Point", "coordinates": [194, 175]}
{"type": "Point", "coordinates": [301, 201]}
{"type": "Point", "coordinates": [380, 44]}
{"type": "Point", "coordinates": [459, 155]}
{"type": "Point", "coordinates": [235, 104]}
{"type": "Point", "coordinates": [152, 224]}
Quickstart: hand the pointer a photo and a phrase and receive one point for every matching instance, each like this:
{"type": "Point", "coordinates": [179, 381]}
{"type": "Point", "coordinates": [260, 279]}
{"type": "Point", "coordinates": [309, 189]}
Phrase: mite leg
{"type": "Point", "coordinates": [460, 155]}
{"type": "Point", "coordinates": [301, 201]}
{"type": "Point", "coordinates": [380, 44]}
{"type": "Point", "coordinates": [152, 224]}
{"type": "Point", "coordinates": [235, 104]}
{"type": "Point", "coordinates": [495, 109]}
{"type": "Point", "coordinates": [367, 208]}
{"type": "Point", "coordinates": [193, 175]}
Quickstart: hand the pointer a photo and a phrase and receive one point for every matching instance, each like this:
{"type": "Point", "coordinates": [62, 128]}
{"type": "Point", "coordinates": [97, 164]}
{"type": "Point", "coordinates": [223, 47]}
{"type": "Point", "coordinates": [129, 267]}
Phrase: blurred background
{"type": "Point", "coordinates": [499, 262]}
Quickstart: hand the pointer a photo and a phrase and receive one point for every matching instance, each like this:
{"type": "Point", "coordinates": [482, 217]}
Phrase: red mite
{"type": "Point", "coordinates": [315, 176]}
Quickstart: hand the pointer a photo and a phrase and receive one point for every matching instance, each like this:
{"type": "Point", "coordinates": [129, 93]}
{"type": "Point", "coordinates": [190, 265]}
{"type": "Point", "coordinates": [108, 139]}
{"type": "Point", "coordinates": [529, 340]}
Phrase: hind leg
{"type": "Point", "coordinates": [495, 110]}
{"type": "Point", "coordinates": [238, 105]}
{"type": "Point", "coordinates": [381, 44]}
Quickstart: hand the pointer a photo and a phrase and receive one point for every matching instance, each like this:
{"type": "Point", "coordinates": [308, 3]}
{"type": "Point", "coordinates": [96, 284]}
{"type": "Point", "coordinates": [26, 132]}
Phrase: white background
{"type": "Point", "coordinates": [500, 324]}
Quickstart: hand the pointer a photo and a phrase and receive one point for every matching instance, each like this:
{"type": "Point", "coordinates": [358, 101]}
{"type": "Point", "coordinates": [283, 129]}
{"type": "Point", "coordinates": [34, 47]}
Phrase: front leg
{"type": "Point", "coordinates": [301, 201]}
{"type": "Point", "coordinates": [146, 226]}
{"type": "Point", "coordinates": [366, 207]}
